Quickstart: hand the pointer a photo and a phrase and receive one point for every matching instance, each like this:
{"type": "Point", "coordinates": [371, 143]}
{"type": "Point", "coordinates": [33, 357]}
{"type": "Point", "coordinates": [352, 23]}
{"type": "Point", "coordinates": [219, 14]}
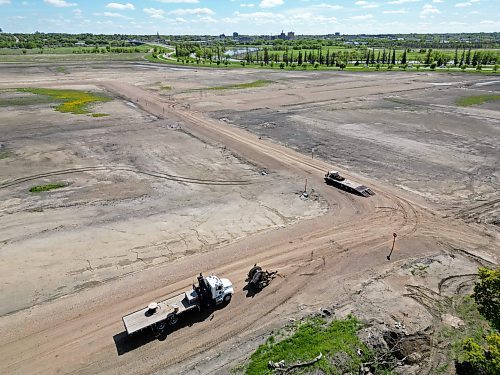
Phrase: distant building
{"type": "Point", "coordinates": [289, 36]}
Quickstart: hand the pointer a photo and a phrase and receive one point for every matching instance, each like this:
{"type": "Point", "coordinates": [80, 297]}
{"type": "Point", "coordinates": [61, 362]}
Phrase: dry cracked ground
{"type": "Point", "coordinates": [181, 178]}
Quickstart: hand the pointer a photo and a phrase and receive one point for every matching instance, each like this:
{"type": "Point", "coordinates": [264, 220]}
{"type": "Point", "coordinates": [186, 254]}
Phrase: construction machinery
{"type": "Point", "coordinates": [258, 279]}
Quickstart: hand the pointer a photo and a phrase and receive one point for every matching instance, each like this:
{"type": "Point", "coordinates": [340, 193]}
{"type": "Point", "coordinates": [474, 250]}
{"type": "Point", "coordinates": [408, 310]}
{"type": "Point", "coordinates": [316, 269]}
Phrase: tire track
{"type": "Point", "coordinates": [109, 168]}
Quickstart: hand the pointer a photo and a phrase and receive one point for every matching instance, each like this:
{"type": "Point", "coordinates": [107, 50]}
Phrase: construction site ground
{"type": "Point", "coordinates": [180, 178]}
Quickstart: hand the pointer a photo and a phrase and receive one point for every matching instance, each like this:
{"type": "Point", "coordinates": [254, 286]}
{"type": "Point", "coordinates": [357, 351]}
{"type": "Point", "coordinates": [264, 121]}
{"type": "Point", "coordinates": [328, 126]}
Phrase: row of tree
{"type": "Point", "coordinates": [266, 56]}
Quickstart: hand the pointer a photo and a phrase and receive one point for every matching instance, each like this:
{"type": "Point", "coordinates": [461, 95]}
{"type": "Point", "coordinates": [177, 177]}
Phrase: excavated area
{"type": "Point", "coordinates": [180, 179]}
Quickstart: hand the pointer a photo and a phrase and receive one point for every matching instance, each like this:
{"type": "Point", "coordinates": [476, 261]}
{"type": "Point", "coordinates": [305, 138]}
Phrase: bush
{"type": "Point", "coordinates": [487, 295]}
{"type": "Point", "coordinates": [282, 66]}
{"type": "Point", "coordinates": [433, 66]}
{"type": "Point", "coordinates": [476, 359]}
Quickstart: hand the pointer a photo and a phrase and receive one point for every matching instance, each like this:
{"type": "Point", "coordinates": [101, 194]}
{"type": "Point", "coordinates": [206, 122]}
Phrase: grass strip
{"type": "Point", "coordinates": [309, 339]}
{"type": "Point", "coordinates": [476, 100]}
{"type": "Point", "coordinates": [41, 188]}
{"type": "Point", "coordinates": [25, 100]}
{"type": "Point", "coordinates": [73, 101]}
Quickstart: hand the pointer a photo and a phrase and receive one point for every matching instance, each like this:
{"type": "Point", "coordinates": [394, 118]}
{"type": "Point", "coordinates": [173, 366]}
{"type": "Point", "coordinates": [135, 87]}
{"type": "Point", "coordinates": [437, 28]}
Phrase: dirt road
{"type": "Point", "coordinates": [83, 333]}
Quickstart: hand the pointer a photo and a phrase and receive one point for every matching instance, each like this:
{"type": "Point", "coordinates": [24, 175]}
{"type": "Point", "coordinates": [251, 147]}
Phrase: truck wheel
{"type": "Point", "coordinates": [173, 320]}
{"type": "Point", "coordinates": [160, 327]}
{"type": "Point", "coordinates": [227, 298]}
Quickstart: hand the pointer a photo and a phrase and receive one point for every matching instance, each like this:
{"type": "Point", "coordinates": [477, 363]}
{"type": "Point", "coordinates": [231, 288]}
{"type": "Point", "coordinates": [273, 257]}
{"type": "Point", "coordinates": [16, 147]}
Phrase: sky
{"type": "Point", "coordinates": [270, 17]}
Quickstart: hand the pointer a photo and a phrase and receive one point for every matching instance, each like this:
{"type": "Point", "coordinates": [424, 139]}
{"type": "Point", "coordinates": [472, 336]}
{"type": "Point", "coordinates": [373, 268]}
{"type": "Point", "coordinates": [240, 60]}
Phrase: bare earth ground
{"type": "Point", "coordinates": [170, 184]}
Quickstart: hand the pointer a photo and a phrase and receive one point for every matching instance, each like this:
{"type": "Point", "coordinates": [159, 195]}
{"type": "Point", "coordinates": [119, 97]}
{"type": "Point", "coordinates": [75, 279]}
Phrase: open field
{"type": "Point", "coordinates": [171, 183]}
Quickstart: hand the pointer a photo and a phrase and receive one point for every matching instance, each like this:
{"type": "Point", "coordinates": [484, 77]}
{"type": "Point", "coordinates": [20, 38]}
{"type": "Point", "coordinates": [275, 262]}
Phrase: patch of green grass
{"type": "Point", "coordinates": [73, 101]}
{"type": "Point", "coordinates": [309, 339]}
{"type": "Point", "coordinates": [167, 88]}
{"type": "Point", "coordinates": [4, 154]}
{"type": "Point", "coordinates": [419, 269]}
{"type": "Point", "coordinates": [475, 325]}
{"type": "Point", "coordinates": [476, 100]}
{"type": "Point", "coordinates": [247, 85]}
{"type": "Point", "coordinates": [41, 188]}
{"type": "Point", "coordinates": [99, 114]}
{"type": "Point", "coordinates": [61, 69]}
{"type": "Point", "coordinates": [25, 100]}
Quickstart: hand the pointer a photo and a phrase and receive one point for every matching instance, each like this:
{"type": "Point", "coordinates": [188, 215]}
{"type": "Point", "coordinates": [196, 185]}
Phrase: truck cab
{"type": "Point", "coordinates": [221, 289]}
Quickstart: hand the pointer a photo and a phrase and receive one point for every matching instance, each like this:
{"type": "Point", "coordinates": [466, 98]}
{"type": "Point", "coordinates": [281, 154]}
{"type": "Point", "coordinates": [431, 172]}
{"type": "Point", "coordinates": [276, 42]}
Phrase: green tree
{"type": "Point", "coordinates": [428, 59]}
{"type": "Point", "coordinates": [393, 61]}
{"type": "Point", "coordinates": [403, 59]}
{"type": "Point", "coordinates": [487, 295]}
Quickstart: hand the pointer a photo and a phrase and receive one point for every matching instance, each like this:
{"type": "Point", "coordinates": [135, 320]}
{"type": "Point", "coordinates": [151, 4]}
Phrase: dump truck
{"type": "Point", "coordinates": [334, 178]}
{"type": "Point", "coordinates": [210, 292]}
{"type": "Point", "coordinates": [259, 279]}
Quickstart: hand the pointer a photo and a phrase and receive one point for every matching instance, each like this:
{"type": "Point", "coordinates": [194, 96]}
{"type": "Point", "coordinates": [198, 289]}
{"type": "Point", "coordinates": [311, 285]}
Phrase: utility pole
{"type": "Point", "coordinates": [392, 249]}
{"type": "Point", "coordinates": [305, 187]}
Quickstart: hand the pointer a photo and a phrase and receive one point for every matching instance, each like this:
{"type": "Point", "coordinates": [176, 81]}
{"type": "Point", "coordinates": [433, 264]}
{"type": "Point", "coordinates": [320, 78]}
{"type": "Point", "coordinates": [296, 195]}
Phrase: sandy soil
{"type": "Point", "coordinates": [163, 189]}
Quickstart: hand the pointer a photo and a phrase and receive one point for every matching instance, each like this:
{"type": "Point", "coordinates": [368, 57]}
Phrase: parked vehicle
{"type": "Point", "coordinates": [210, 292]}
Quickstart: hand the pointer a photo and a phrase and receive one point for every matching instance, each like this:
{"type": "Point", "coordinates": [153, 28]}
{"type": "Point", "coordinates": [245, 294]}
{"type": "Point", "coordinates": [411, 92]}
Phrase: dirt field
{"type": "Point", "coordinates": [170, 184]}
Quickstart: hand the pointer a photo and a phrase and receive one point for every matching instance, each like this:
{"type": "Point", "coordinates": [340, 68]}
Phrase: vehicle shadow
{"type": "Point", "coordinates": [251, 292]}
{"type": "Point", "coordinates": [126, 343]}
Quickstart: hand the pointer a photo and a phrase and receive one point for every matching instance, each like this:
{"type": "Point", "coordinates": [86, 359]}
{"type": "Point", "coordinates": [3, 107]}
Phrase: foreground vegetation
{"type": "Point", "coordinates": [472, 346]}
{"type": "Point", "coordinates": [247, 85]}
{"type": "Point", "coordinates": [310, 338]}
{"type": "Point", "coordinates": [73, 101]}
{"type": "Point", "coordinates": [42, 188]}
{"type": "Point", "coordinates": [477, 100]}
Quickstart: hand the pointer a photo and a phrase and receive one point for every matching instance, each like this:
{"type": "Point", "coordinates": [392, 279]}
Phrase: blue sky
{"type": "Point", "coordinates": [249, 16]}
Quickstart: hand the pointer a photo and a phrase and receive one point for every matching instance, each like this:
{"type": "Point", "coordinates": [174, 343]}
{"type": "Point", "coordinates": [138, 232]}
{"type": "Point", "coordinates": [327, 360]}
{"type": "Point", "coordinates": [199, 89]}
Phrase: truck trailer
{"type": "Point", "coordinates": [210, 292]}
{"type": "Point", "coordinates": [334, 178]}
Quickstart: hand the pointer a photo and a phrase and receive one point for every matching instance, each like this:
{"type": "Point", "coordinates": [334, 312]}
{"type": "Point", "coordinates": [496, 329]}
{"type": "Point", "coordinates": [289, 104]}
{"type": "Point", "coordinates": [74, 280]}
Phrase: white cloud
{"type": "Point", "coordinates": [179, 1]}
{"type": "Point", "coordinates": [120, 6]}
{"type": "Point", "coordinates": [247, 5]}
{"type": "Point", "coordinates": [60, 3]}
{"type": "Point", "coordinates": [270, 3]}
{"type": "Point", "coordinates": [403, 1]}
{"type": "Point", "coordinates": [329, 6]}
{"type": "Point", "coordinates": [154, 13]}
{"type": "Point", "coordinates": [182, 12]}
{"type": "Point", "coordinates": [396, 11]}
{"type": "Point", "coordinates": [363, 17]}
{"type": "Point", "coordinates": [463, 5]}
{"type": "Point", "coordinates": [428, 9]}
{"type": "Point", "coordinates": [112, 15]}
{"type": "Point", "coordinates": [4, 2]}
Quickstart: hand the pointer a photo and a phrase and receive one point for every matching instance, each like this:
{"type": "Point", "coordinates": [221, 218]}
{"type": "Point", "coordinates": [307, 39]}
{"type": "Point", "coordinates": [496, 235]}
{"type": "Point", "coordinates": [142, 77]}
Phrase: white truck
{"type": "Point", "coordinates": [209, 292]}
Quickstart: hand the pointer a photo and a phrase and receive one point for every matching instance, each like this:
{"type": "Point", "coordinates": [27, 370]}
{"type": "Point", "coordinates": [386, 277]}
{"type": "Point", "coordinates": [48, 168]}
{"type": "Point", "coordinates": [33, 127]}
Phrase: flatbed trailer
{"type": "Point", "coordinates": [158, 315]}
{"type": "Point", "coordinates": [335, 179]}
